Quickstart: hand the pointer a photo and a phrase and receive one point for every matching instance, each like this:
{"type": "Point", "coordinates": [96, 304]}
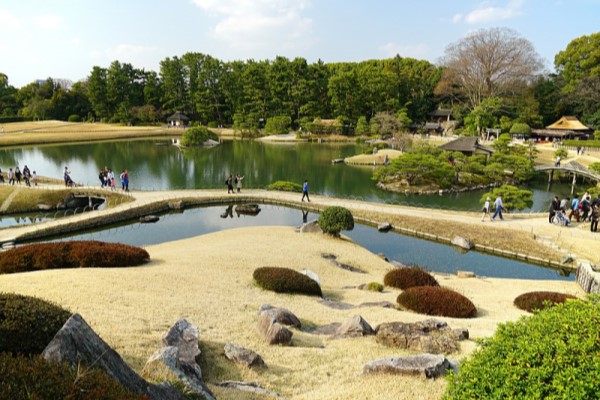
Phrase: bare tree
{"type": "Point", "coordinates": [488, 62]}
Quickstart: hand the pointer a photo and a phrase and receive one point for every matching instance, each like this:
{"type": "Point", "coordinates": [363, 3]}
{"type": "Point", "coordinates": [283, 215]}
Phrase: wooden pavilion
{"type": "Point", "coordinates": [567, 127]}
{"type": "Point", "coordinates": [178, 119]}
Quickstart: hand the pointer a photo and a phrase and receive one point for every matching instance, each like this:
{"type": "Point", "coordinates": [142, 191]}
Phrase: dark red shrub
{"type": "Point", "coordinates": [540, 300]}
{"type": "Point", "coordinates": [285, 280]}
{"type": "Point", "coordinates": [437, 300]}
{"type": "Point", "coordinates": [407, 277]}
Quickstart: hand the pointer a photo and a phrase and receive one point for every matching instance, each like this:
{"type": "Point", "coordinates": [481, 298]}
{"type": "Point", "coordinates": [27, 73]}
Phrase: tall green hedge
{"type": "Point", "coordinates": [554, 354]}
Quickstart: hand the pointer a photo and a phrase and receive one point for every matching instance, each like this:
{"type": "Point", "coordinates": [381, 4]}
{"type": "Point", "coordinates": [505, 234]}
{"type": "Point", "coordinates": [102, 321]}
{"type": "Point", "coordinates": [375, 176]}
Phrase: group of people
{"type": "Point", "coordinates": [498, 209]}
{"type": "Point", "coordinates": [231, 181]}
{"type": "Point", "coordinates": [15, 176]}
{"type": "Point", "coordinates": [584, 209]}
{"type": "Point", "coordinates": [107, 179]}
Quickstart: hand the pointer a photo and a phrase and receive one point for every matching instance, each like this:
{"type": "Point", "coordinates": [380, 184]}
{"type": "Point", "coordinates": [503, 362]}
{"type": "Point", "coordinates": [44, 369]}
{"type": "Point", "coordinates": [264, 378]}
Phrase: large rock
{"type": "Point", "coordinates": [462, 242]}
{"type": "Point", "coordinates": [177, 360]}
{"type": "Point", "coordinates": [431, 336]}
{"type": "Point", "coordinates": [384, 227]}
{"type": "Point", "coordinates": [76, 343]}
{"type": "Point", "coordinates": [311, 227]}
{"type": "Point", "coordinates": [428, 365]}
{"type": "Point", "coordinates": [312, 275]}
{"type": "Point", "coordinates": [281, 315]}
{"type": "Point", "coordinates": [243, 356]}
{"type": "Point", "coordinates": [353, 327]}
{"type": "Point", "coordinates": [273, 332]}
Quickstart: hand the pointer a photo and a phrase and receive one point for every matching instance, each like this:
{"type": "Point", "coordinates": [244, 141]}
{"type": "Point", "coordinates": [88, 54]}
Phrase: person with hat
{"type": "Point", "coordinates": [486, 209]}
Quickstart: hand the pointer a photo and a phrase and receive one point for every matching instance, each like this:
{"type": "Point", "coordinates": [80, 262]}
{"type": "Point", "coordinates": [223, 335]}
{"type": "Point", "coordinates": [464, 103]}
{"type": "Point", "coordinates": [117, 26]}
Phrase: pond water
{"type": "Point", "coordinates": [157, 165]}
{"type": "Point", "coordinates": [405, 249]}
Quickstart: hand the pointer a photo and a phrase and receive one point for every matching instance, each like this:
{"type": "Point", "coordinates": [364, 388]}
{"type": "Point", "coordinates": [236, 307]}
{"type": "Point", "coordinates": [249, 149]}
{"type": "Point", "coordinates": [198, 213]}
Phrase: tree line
{"type": "Point", "coordinates": [490, 78]}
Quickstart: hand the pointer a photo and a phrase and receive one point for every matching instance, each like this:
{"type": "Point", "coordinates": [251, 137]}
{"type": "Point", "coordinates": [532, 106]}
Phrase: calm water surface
{"type": "Point", "coordinates": [157, 165]}
{"type": "Point", "coordinates": [405, 249]}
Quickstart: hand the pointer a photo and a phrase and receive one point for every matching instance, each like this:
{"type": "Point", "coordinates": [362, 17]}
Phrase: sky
{"type": "Point", "coordinates": [65, 39]}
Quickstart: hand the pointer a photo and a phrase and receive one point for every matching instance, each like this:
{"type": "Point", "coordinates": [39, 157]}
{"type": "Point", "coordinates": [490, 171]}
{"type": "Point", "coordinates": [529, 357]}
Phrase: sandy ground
{"type": "Point", "coordinates": [208, 280]}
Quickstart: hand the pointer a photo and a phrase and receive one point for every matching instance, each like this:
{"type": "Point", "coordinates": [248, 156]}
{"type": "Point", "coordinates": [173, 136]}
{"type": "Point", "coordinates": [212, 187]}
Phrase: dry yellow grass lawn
{"type": "Point", "coordinates": [372, 159]}
{"type": "Point", "coordinates": [208, 280]}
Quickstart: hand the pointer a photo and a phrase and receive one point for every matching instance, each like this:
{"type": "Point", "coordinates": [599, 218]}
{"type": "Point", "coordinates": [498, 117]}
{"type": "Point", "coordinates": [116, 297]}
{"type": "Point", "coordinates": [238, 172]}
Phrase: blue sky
{"type": "Point", "coordinates": [66, 38]}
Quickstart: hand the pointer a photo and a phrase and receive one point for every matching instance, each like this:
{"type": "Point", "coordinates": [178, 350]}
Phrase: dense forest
{"type": "Point", "coordinates": [481, 92]}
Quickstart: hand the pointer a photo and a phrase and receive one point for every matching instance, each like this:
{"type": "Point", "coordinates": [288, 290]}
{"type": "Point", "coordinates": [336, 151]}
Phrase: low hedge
{"type": "Point", "coordinates": [35, 378]}
{"type": "Point", "coordinates": [407, 277]}
{"type": "Point", "coordinates": [75, 254]}
{"type": "Point", "coordinates": [437, 300]}
{"type": "Point", "coordinates": [285, 186]}
{"type": "Point", "coordinates": [540, 300]}
{"type": "Point", "coordinates": [28, 324]}
{"type": "Point", "coordinates": [552, 354]}
{"type": "Point", "coordinates": [285, 280]}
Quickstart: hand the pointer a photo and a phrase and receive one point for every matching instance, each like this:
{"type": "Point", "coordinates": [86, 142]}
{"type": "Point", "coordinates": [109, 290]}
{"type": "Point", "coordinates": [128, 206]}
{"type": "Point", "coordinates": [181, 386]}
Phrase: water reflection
{"type": "Point", "coordinates": [405, 249]}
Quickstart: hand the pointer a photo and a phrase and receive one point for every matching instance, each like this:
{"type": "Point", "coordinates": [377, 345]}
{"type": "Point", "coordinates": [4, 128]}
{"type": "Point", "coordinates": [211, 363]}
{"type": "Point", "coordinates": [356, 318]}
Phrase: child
{"type": "Point", "coordinates": [486, 209]}
{"type": "Point", "coordinates": [34, 178]}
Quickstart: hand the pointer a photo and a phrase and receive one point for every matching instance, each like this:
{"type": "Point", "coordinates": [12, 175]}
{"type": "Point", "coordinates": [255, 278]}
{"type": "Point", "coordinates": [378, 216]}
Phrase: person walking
{"type": "Point", "coordinates": [554, 207]}
{"type": "Point", "coordinates": [11, 176]}
{"type": "Point", "coordinates": [499, 206]}
{"type": "Point", "coordinates": [27, 175]}
{"type": "Point", "coordinates": [229, 183]}
{"type": "Point", "coordinates": [305, 191]}
{"type": "Point", "coordinates": [486, 209]}
{"type": "Point", "coordinates": [238, 182]}
{"type": "Point", "coordinates": [595, 217]}
{"type": "Point", "coordinates": [574, 209]}
{"type": "Point", "coordinates": [34, 178]}
{"type": "Point", "coordinates": [18, 174]}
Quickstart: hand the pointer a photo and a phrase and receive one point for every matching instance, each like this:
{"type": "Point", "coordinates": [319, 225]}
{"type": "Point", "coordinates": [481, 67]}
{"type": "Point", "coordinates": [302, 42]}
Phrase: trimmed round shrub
{"type": "Point", "coordinates": [552, 354]}
{"type": "Point", "coordinates": [374, 287]}
{"type": "Point", "coordinates": [197, 135]}
{"type": "Point", "coordinates": [437, 300]}
{"type": "Point", "coordinates": [285, 280]}
{"type": "Point", "coordinates": [74, 118]}
{"type": "Point", "coordinates": [335, 219]}
{"type": "Point", "coordinates": [407, 277]}
{"type": "Point", "coordinates": [539, 300]}
{"type": "Point", "coordinates": [285, 186]}
{"type": "Point", "coordinates": [28, 324]}
{"type": "Point", "coordinates": [75, 254]}
{"type": "Point", "coordinates": [35, 378]}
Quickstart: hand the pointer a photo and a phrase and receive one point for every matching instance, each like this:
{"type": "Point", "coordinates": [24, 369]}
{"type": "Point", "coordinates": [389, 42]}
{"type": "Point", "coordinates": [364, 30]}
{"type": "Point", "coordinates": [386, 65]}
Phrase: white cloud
{"type": "Point", "coordinates": [48, 21]}
{"type": "Point", "coordinates": [488, 12]}
{"type": "Point", "coordinates": [418, 51]}
{"type": "Point", "coordinates": [255, 25]}
{"type": "Point", "coordinates": [457, 18]}
{"type": "Point", "coordinates": [8, 21]}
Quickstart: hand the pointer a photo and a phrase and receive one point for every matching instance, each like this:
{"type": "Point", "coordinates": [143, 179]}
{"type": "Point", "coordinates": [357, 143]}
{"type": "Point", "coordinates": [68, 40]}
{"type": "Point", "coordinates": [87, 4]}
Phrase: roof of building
{"type": "Point", "coordinates": [568, 123]}
{"type": "Point", "coordinates": [441, 112]}
{"type": "Point", "coordinates": [178, 116]}
{"type": "Point", "coordinates": [465, 144]}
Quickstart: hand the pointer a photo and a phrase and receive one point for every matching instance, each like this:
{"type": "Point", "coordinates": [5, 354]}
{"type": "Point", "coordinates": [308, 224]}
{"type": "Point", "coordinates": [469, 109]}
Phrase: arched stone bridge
{"type": "Point", "coordinates": [572, 167]}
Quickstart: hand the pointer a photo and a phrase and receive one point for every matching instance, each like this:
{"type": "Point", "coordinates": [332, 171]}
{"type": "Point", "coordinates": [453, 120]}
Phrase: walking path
{"type": "Point", "coordinates": [576, 241]}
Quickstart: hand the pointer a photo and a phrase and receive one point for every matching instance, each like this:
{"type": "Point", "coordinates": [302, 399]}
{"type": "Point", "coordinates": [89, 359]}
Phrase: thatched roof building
{"type": "Point", "coordinates": [567, 127]}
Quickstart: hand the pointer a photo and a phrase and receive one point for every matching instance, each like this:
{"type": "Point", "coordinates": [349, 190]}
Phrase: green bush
{"type": "Point", "coordinates": [553, 354]}
{"type": "Point", "coordinates": [28, 324]}
{"type": "Point", "coordinates": [75, 254]}
{"type": "Point", "coordinates": [74, 118]}
{"type": "Point", "coordinates": [35, 378]}
{"type": "Point", "coordinates": [197, 135]}
{"type": "Point", "coordinates": [437, 300]}
{"type": "Point", "coordinates": [407, 277]}
{"type": "Point", "coordinates": [335, 219]}
{"type": "Point", "coordinates": [285, 280]}
{"type": "Point", "coordinates": [374, 287]}
{"type": "Point", "coordinates": [539, 300]}
{"type": "Point", "coordinates": [285, 186]}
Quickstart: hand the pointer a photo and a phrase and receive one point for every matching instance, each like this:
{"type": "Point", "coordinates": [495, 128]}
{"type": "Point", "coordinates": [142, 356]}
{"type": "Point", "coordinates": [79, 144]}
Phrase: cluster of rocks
{"type": "Point", "coordinates": [432, 337]}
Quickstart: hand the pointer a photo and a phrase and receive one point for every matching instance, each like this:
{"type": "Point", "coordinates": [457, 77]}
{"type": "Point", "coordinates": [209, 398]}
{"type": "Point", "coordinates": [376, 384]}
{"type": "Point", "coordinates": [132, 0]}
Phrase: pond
{"type": "Point", "coordinates": [405, 249]}
{"type": "Point", "coordinates": [157, 165]}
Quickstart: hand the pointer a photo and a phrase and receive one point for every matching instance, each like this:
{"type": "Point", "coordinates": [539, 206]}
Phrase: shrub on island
{"type": "Point", "coordinates": [285, 280]}
{"type": "Point", "coordinates": [437, 300]}
{"type": "Point", "coordinates": [26, 377]}
{"type": "Point", "coordinates": [76, 254]}
{"type": "Point", "coordinates": [540, 300]}
{"type": "Point", "coordinates": [28, 324]}
{"type": "Point", "coordinates": [551, 354]}
{"type": "Point", "coordinates": [335, 219]}
{"type": "Point", "coordinates": [285, 186]}
{"type": "Point", "coordinates": [407, 277]}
